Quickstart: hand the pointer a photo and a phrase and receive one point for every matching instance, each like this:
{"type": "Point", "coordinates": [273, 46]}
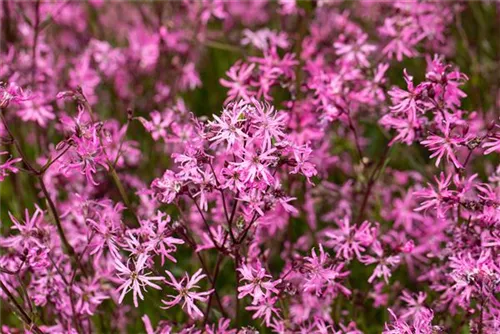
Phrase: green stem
{"type": "Point", "coordinates": [22, 313]}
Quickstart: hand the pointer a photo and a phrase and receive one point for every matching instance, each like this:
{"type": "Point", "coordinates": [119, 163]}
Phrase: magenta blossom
{"type": "Point", "coordinates": [259, 284]}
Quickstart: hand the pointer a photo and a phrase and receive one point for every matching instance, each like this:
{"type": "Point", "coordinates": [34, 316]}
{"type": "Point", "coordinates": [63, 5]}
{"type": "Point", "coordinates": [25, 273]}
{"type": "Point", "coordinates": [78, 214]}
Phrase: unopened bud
{"type": "Point", "coordinates": [465, 130]}
{"type": "Point", "coordinates": [491, 126]}
{"type": "Point", "coordinates": [67, 94]}
{"type": "Point", "coordinates": [61, 145]}
{"type": "Point", "coordinates": [431, 92]}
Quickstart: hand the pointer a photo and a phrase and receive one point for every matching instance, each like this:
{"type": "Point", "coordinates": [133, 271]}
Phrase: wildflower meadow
{"type": "Point", "coordinates": [241, 167]}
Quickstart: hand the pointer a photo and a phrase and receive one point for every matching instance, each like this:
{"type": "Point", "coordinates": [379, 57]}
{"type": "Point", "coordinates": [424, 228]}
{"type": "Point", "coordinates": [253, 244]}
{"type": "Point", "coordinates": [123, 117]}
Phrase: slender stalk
{"type": "Point", "coordinates": [237, 278]}
{"type": "Point", "coordinates": [55, 215]}
{"type": "Point", "coordinates": [303, 25]}
{"type": "Point", "coordinates": [205, 269]}
{"type": "Point", "coordinates": [222, 46]}
{"type": "Point", "coordinates": [30, 168]}
{"type": "Point", "coordinates": [231, 218]}
{"type": "Point", "coordinates": [52, 161]}
{"type": "Point", "coordinates": [216, 275]}
{"type": "Point", "coordinates": [22, 313]}
{"type": "Point", "coordinates": [24, 291]}
{"type": "Point", "coordinates": [219, 247]}
{"type": "Point", "coordinates": [245, 231]}
{"type": "Point", "coordinates": [371, 183]}
{"type": "Point", "coordinates": [7, 26]}
{"type": "Point", "coordinates": [221, 192]}
{"type": "Point", "coordinates": [115, 161]}
{"type": "Point", "coordinates": [36, 32]}
{"type": "Point", "coordinates": [356, 138]}
{"type": "Point", "coordinates": [50, 19]}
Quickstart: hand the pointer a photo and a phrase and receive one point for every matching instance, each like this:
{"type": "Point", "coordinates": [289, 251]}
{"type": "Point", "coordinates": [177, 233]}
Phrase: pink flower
{"type": "Point", "coordinates": [205, 182]}
{"type": "Point", "coordinates": [36, 110]}
{"type": "Point", "coordinates": [228, 128]}
{"type": "Point", "coordinates": [384, 263]}
{"type": "Point", "coordinates": [268, 124]}
{"type": "Point", "coordinates": [109, 59]}
{"type": "Point", "coordinates": [406, 102]}
{"type": "Point", "coordinates": [379, 297]}
{"type": "Point", "coordinates": [157, 126]}
{"type": "Point", "coordinates": [213, 8]}
{"type": "Point", "coordinates": [8, 166]}
{"type": "Point", "coordinates": [29, 240]}
{"type": "Point", "coordinates": [186, 295]}
{"type": "Point", "coordinates": [28, 230]}
{"type": "Point", "coordinates": [83, 75]}
{"type": "Point", "coordinates": [445, 82]}
{"type": "Point", "coordinates": [421, 324]}
{"type": "Point", "coordinates": [240, 74]}
{"type": "Point", "coordinates": [233, 178]}
{"type": "Point", "coordinates": [322, 276]}
{"type": "Point", "coordinates": [215, 234]}
{"type": "Point", "coordinates": [265, 309]}
{"type": "Point", "coordinates": [445, 146]}
{"type": "Point", "coordinates": [144, 47]}
{"type": "Point", "coordinates": [265, 39]}
{"type": "Point", "coordinates": [474, 275]}
{"type": "Point", "coordinates": [85, 156]}
{"type": "Point", "coordinates": [12, 93]}
{"type": "Point", "coordinates": [163, 327]}
{"type": "Point", "coordinates": [222, 327]}
{"type": "Point", "coordinates": [260, 285]}
{"type": "Point", "coordinates": [441, 198]}
{"type": "Point", "coordinates": [189, 77]}
{"type": "Point", "coordinates": [492, 143]}
{"type": "Point", "coordinates": [406, 127]}
{"type": "Point", "coordinates": [256, 164]}
{"type": "Point", "coordinates": [91, 295]}
{"type": "Point", "coordinates": [415, 304]}
{"type": "Point", "coordinates": [135, 279]}
{"type": "Point", "coordinates": [254, 201]}
{"type": "Point", "coordinates": [403, 34]}
{"type": "Point", "coordinates": [106, 235]}
{"type": "Point", "coordinates": [302, 162]}
{"type": "Point", "coordinates": [160, 237]}
{"type": "Point", "coordinates": [167, 187]}
{"type": "Point", "coordinates": [349, 240]}
{"type": "Point", "coordinates": [355, 52]}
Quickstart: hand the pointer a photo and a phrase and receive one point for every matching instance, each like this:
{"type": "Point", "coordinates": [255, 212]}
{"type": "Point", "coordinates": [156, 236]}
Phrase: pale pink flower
{"type": "Point", "coordinates": [188, 297]}
{"type": "Point", "coordinates": [228, 127]}
{"type": "Point", "coordinates": [385, 263]}
{"type": "Point", "coordinates": [355, 52]}
{"type": "Point", "coordinates": [445, 146]}
{"type": "Point", "coordinates": [135, 279]}
{"type": "Point", "coordinates": [8, 166]}
{"type": "Point", "coordinates": [37, 111]}
{"type": "Point", "coordinates": [265, 309]}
